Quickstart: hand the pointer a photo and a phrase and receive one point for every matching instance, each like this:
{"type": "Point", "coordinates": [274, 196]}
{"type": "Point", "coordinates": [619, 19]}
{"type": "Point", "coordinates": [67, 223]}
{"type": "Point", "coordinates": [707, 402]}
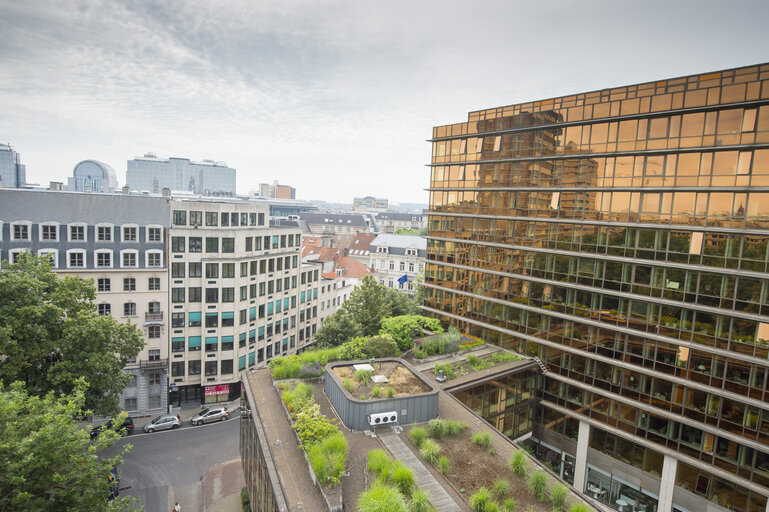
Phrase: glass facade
{"type": "Point", "coordinates": [206, 178]}
{"type": "Point", "coordinates": [621, 236]}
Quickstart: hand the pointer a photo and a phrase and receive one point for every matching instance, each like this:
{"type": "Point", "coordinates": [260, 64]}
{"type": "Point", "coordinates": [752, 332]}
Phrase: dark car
{"type": "Point", "coordinates": [126, 428]}
{"type": "Point", "coordinates": [114, 483]}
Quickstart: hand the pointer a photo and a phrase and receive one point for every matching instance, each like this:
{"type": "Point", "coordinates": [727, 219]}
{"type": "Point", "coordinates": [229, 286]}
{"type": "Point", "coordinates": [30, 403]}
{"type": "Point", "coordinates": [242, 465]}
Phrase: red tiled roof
{"type": "Point", "coordinates": [353, 268]}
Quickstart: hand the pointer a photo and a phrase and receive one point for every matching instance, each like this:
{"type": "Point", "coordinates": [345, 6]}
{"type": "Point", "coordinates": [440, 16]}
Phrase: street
{"type": "Point", "coordinates": [164, 467]}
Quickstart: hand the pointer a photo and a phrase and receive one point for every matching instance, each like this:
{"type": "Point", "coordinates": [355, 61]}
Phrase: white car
{"type": "Point", "coordinates": [164, 422]}
{"type": "Point", "coordinates": [208, 415]}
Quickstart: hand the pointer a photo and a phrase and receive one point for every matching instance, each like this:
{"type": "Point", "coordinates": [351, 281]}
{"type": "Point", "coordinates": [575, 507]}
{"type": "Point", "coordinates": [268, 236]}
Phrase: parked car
{"type": "Point", "coordinates": [208, 415]}
{"type": "Point", "coordinates": [114, 483]}
{"type": "Point", "coordinates": [163, 422]}
{"type": "Point", "coordinates": [126, 428]}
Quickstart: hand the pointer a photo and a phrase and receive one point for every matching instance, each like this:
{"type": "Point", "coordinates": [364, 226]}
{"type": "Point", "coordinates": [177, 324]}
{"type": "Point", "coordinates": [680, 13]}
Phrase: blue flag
{"type": "Point", "coordinates": [403, 279]}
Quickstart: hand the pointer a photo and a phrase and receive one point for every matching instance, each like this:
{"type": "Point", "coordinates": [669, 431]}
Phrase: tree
{"type": "Point", "coordinates": [47, 463]}
{"type": "Point", "coordinates": [52, 335]}
{"type": "Point", "coordinates": [400, 303]}
{"type": "Point", "coordinates": [406, 231]}
{"type": "Point", "coordinates": [368, 305]}
{"type": "Point", "coordinates": [337, 329]}
{"type": "Point", "coordinates": [381, 346]}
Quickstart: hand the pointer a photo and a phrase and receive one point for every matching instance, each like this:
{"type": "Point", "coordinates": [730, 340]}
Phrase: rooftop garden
{"type": "Point", "coordinates": [399, 381]}
{"type": "Point", "coordinates": [452, 370]}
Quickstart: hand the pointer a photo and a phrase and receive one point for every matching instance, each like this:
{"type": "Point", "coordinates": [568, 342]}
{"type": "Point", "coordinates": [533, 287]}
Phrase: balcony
{"type": "Point", "coordinates": [153, 317]}
{"type": "Point", "coordinates": [153, 363]}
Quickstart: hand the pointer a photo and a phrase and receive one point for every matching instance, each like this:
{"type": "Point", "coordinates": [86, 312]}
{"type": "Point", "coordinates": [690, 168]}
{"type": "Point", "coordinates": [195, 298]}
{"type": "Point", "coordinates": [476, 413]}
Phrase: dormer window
{"type": "Point", "coordinates": [382, 249]}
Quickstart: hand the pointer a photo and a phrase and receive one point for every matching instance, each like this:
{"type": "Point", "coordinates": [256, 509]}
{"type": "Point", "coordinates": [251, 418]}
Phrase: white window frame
{"type": "Point", "coordinates": [80, 225]}
{"type": "Point", "coordinates": [50, 223]}
{"type": "Point", "coordinates": [124, 228]}
{"type": "Point", "coordinates": [382, 249]}
{"type": "Point", "coordinates": [52, 252]}
{"type": "Point", "coordinates": [147, 233]}
{"type": "Point", "coordinates": [147, 258]}
{"type": "Point", "coordinates": [136, 258]}
{"type": "Point", "coordinates": [21, 223]}
{"type": "Point", "coordinates": [103, 251]}
{"type": "Point", "coordinates": [78, 251]}
{"type": "Point", "coordinates": [13, 252]}
{"type": "Point", "coordinates": [104, 225]}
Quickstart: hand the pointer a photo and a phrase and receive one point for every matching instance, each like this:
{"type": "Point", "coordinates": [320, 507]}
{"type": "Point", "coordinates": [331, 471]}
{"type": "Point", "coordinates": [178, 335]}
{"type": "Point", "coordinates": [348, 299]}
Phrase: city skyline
{"type": "Point", "coordinates": [313, 94]}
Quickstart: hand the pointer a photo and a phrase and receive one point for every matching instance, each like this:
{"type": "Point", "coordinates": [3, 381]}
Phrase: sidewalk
{"type": "Point", "coordinates": [221, 487]}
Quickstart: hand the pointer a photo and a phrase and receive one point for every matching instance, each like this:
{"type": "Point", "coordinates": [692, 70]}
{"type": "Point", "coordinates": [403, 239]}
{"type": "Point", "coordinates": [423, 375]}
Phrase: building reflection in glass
{"type": "Point", "coordinates": [621, 236]}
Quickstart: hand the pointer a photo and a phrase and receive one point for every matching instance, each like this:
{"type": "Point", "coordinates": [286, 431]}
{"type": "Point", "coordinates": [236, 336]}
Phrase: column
{"type": "Point", "coordinates": [580, 465]}
{"type": "Point", "coordinates": [667, 484]}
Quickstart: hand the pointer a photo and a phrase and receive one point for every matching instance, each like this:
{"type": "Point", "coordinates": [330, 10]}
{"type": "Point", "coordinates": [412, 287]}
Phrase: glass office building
{"type": "Point", "coordinates": [621, 236]}
{"type": "Point", "coordinates": [206, 178]}
{"type": "Point", "coordinates": [13, 174]}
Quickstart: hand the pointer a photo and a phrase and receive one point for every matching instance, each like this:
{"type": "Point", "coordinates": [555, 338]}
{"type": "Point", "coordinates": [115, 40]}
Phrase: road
{"type": "Point", "coordinates": [164, 467]}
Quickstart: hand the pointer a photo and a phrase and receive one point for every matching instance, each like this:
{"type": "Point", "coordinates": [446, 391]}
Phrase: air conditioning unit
{"type": "Point", "coordinates": [382, 418]}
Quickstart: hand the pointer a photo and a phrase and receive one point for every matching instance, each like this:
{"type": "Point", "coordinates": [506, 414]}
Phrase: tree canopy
{"type": "Point", "coordinates": [48, 463]}
{"type": "Point", "coordinates": [51, 335]}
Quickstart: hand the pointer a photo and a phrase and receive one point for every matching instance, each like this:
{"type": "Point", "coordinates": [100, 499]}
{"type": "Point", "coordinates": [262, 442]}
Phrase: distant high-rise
{"type": "Point", "coordinates": [206, 178]}
{"type": "Point", "coordinates": [276, 191]}
{"type": "Point", "coordinates": [13, 174]}
{"type": "Point", "coordinates": [93, 176]}
{"type": "Point", "coordinates": [369, 203]}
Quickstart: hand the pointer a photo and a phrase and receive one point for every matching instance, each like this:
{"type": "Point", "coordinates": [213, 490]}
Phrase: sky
{"type": "Point", "coordinates": [334, 97]}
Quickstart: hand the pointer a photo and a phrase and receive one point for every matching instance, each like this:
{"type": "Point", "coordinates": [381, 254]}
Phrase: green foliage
{"type": "Point", "coordinates": [403, 478]}
{"type": "Point", "coordinates": [298, 398]}
{"type": "Point", "coordinates": [518, 464]}
{"type": "Point", "coordinates": [338, 328]}
{"type": "Point", "coordinates": [476, 363]}
{"type": "Point", "coordinates": [419, 353]}
{"type": "Point", "coordinates": [430, 450]}
{"type": "Point", "coordinates": [376, 392]}
{"type": "Point", "coordinates": [245, 501]}
{"type": "Point", "coordinates": [328, 458]}
{"type": "Point", "coordinates": [500, 487]}
{"type": "Point", "coordinates": [454, 427]}
{"type": "Point", "coordinates": [448, 370]}
{"type": "Point", "coordinates": [368, 305]}
{"type": "Point", "coordinates": [349, 385]}
{"type": "Point", "coordinates": [285, 367]}
{"type": "Point", "coordinates": [482, 439]}
{"type": "Point", "coordinates": [503, 357]}
{"type": "Point", "coordinates": [580, 507]}
{"type": "Point", "coordinates": [46, 461]}
{"type": "Point", "coordinates": [390, 391]}
{"type": "Point", "coordinates": [51, 335]}
{"type": "Point", "coordinates": [480, 500]}
{"type": "Point", "coordinates": [312, 426]}
{"type": "Point", "coordinates": [558, 495]}
{"type": "Point", "coordinates": [443, 465]}
{"type": "Point", "coordinates": [404, 328]}
{"type": "Point", "coordinates": [381, 497]}
{"type": "Point", "coordinates": [406, 231]}
{"type": "Point", "coordinates": [420, 501]}
{"type": "Point", "coordinates": [382, 345]}
{"type": "Point", "coordinates": [378, 461]}
{"type": "Point", "coordinates": [363, 376]}
{"type": "Point", "coordinates": [492, 507]}
{"type": "Point", "coordinates": [305, 365]}
{"type": "Point", "coordinates": [437, 428]}
{"type": "Point", "coordinates": [418, 435]}
{"type": "Point", "coordinates": [400, 303]}
{"type": "Point", "coordinates": [353, 349]}
{"type": "Point", "coordinates": [509, 505]}
{"type": "Point", "coordinates": [538, 484]}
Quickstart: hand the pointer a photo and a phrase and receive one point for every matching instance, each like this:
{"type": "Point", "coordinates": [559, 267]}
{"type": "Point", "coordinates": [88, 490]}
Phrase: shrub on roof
{"type": "Point", "coordinates": [328, 458]}
{"type": "Point", "coordinates": [381, 497]}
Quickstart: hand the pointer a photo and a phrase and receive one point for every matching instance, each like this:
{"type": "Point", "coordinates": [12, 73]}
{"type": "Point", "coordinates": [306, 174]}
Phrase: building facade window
{"type": "Point", "coordinates": [153, 284]}
{"type": "Point", "coordinates": [20, 231]}
{"type": "Point", "coordinates": [154, 234]}
{"type": "Point", "coordinates": [153, 331]}
{"type": "Point", "coordinates": [104, 309]}
{"type": "Point", "coordinates": [77, 233]}
{"type": "Point", "coordinates": [103, 284]}
{"type": "Point", "coordinates": [75, 259]}
{"type": "Point", "coordinates": [129, 309]}
{"type": "Point", "coordinates": [129, 284]}
{"type": "Point", "coordinates": [178, 243]}
{"type": "Point", "coordinates": [154, 258]}
{"type": "Point", "coordinates": [49, 232]}
{"type": "Point", "coordinates": [195, 244]}
{"type": "Point", "coordinates": [180, 218]}
{"type": "Point", "coordinates": [104, 233]}
{"type": "Point", "coordinates": [129, 259]}
{"type": "Point", "coordinates": [104, 259]}
{"type": "Point", "coordinates": [130, 234]}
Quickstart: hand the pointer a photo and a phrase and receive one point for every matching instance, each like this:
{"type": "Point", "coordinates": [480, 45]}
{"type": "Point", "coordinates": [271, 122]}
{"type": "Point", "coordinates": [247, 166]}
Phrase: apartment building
{"type": "Point", "coordinates": [390, 221]}
{"type": "Point", "coordinates": [238, 295]}
{"type": "Point", "coordinates": [620, 236]}
{"type": "Point", "coordinates": [117, 241]}
{"type": "Point", "coordinates": [398, 260]}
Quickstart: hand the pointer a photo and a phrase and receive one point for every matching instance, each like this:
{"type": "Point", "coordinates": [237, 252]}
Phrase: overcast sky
{"type": "Point", "coordinates": [335, 98]}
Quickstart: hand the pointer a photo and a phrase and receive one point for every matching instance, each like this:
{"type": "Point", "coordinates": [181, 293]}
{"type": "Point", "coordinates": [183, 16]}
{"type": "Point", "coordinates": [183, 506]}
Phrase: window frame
{"type": "Point", "coordinates": [110, 229]}
{"type": "Point", "coordinates": [82, 252]}
{"type": "Point", "coordinates": [49, 224]}
{"type": "Point", "coordinates": [21, 224]}
{"type": "Point", "coordinates": [153, 252]}
{"type": "Point", "coordinates": [81, 225]}
{"type": "Point", "coordinates": [127, 253]}
{"type": "Point", "coordinates": [125, 229]}
{"type": "Point", "coordinates": [148, 230]}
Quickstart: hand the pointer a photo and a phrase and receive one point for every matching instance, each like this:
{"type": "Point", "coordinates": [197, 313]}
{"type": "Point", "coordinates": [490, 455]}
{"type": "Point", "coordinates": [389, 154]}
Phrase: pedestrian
{"type": "Point", "coordinates": [177, 507]}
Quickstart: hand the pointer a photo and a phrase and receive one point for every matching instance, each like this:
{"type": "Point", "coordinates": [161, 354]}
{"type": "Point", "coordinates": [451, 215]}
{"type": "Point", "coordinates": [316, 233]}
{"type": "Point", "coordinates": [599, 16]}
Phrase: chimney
{"type": "Point", "coordinates": [126, 190]}
{"type": "Point", "coordinates": [166, 192]}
